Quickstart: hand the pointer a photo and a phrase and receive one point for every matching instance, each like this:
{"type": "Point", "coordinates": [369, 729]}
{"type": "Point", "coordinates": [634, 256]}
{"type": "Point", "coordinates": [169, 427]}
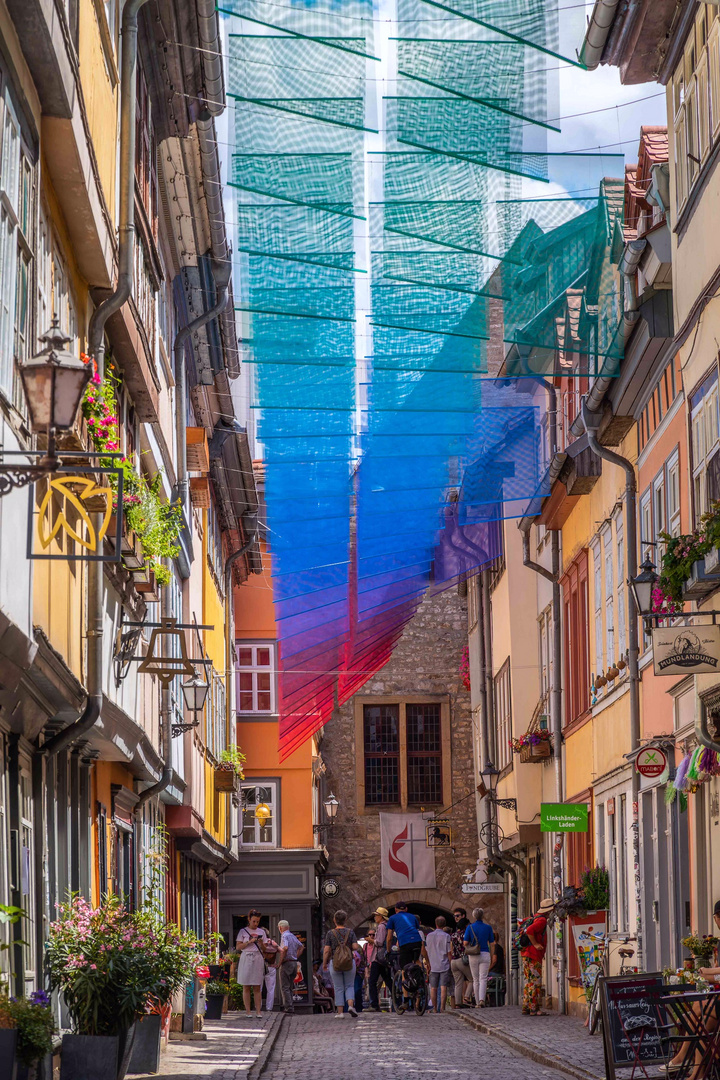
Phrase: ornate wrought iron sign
{"type": "Point", "coordinates": [63, 509]}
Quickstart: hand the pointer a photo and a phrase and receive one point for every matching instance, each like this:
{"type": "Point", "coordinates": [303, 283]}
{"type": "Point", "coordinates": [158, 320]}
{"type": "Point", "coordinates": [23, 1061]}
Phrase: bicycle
{"type": "Point", "coordinates": [593, 971]}
{"type": "Point", "coordinates": [408, 985]}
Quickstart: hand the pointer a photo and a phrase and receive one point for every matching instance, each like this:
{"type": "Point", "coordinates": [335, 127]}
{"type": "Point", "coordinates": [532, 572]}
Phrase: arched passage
{"type": "Point", "coordinates": [425, 903]}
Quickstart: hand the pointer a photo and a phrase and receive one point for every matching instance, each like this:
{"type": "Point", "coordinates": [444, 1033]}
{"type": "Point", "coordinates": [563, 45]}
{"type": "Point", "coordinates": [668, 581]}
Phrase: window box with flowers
{"type": "Point", "coordinates": [152, 527]}
{"type": "Point", "coordinates": [229, 770]}
{"type": "Point", "coordinates": [532, 746]}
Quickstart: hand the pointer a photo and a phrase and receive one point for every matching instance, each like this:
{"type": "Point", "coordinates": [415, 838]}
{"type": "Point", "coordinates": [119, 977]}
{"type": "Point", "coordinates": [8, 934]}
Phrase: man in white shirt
{"type": "Point", "coordinates": [437, 950]}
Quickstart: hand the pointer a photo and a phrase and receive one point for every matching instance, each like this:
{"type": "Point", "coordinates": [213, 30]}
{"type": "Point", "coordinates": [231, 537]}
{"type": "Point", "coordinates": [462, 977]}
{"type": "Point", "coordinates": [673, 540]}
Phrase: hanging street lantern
{"type": "Point", "coordinates": [263, 813]}
{"type": "Point", "coordinates": [195, 691]}
{"type": "Point", "coordinates": [160, 659]}
{"type": "Point", "coordinates": [642, 586]}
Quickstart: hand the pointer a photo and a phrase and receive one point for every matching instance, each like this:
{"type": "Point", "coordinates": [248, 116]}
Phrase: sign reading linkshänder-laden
{"type": "Point", "coordinates": [563, 817]}
{"type": "Point", "coordinates": [686, 650]}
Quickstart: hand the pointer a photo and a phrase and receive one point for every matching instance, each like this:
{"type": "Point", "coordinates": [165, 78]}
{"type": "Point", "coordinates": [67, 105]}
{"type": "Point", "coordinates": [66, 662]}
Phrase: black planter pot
{"type": "Point", "coordinates": [8, 1048]}
{"type": "Point", "coordinates": [214, 1006]}
{"type": "Point", "coordinates": [145, 1057]}
{"type": "Point", "coordinates": [41, 1070]}
{"type": "Point", "coordinates": [96, 1057]}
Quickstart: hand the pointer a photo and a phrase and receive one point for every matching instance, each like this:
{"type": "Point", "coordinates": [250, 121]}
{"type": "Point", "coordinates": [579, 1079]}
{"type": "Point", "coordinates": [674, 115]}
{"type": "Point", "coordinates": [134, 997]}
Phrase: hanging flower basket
{"type": "Point", "coordinates": [533, 746]}
{"type": "Point", "coordinates": [226, 778]}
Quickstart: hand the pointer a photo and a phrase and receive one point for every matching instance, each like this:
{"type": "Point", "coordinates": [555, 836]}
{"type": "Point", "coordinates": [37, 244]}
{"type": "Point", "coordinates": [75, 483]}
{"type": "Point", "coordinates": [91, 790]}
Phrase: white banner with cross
{"type": "Point", "coordinates": [407, 861]}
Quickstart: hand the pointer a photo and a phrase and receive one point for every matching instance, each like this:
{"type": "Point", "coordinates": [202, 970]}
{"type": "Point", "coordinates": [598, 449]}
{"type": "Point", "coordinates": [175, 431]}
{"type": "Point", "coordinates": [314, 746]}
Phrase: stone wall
{"type": "Point", "coordinates": [425, 661]}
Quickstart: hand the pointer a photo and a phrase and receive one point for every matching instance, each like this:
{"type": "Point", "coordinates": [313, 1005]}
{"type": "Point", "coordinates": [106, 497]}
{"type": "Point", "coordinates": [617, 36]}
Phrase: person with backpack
{"type": "Point", "coordinates": [379, 966]}
{"type": "Point", "coordinates": [479, 947]}
{"type": "Point", "coordinates": [460, 963]}
{"type": "Point", "coordinates": [341, 945]}
{"type": "Point", "coordinates": [533, 943]}
{"type": "Point", "coordinates": [406, 928]}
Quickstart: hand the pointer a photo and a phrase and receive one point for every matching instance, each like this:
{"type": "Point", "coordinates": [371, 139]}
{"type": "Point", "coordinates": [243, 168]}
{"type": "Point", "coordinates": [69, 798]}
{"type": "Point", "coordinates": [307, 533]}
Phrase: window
{"type": "Point", "coordinates": [215, 726]}
{"type": "Point", "coordinates": [16, 237]}
{"type": "Point", "coordinates": [215, 546]}
{"type": "Point", "coordinates": [146, 154]}
{"type": "Point", "coordinates": [579, 852]}
{"type": "Point", "coordinates": [102, 833]}
{"type": "Point", "coordinates": [609, 595]}
{"type": "Point", "coordinates": [382, 754]}
{"type": "Point", "coordinates": [575, 612]}
{"type": "Point", "coordinates": [402, 760]}
{"type": "Point", "coordinates": [424, 753]}
{"type": "Point", "coordinates": [696, 103]}
{"type": "Point", "coordinates": [673, 494]}
{"type": "Point", "coordinates": [705, 441]}
{"type": "Point", "coordinates": [503, 717]}
{"type": "Point", "coordinates": [253, 831]}
{"type": "Point", "coordinates": [545, 634]}
{"type": "Point", "coordinates": [473, 591]}
{"type": "Point", "coordinates": [256, 678]}
{"type": "Point", "coordinates": [621, 586]}
{"type": "Point", "coordinates": [597, 597]}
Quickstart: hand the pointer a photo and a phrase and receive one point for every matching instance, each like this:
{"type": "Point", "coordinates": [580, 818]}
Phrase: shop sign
{"type": "Point", "coordinates": [483, 887]}
{"type": "Point", "coordinates": [610, 807]}
{"type": "Point", "coordinates": [438, 833]}
{"type": "Point", "coordinates": [686, 650]}
{"type": "Point", "coordinates": [563, 817]}
{"type": "Point", "coordinates": [61, 512]}
{"type": "Point", "coordinates": [651, 762]}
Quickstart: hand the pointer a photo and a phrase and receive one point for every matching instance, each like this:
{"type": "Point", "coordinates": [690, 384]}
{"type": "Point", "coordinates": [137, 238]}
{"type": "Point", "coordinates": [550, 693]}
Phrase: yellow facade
{"type": "Point", "coordinates": [99, 79]}
{"type": "Point", "coordinates": [213, 614]}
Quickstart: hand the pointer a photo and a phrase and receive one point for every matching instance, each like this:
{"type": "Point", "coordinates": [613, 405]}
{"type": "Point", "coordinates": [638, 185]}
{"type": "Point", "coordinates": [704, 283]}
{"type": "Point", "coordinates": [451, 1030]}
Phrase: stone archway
{"type": "Point", "coordinates": [430, 897]}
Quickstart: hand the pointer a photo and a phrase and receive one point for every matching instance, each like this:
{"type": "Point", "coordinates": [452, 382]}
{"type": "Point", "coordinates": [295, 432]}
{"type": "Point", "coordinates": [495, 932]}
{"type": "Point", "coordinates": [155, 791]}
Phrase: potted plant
{"type": "Point", "coordinates": [595, 888]}
{"type": "Point", "coordinates": [229, 770]}
{"type": "Point", "coordinates": [215, 994]}
{"type": "Point", "coordinates": [533, 745]}
{"type": "Point", "coordinates": [702, 947]}
{"type": "Point", "coordinates": [108, 964]}
{"type": "Point", "coordinates": [27, 1026]}
{"type": "Point", "coordinates": [682, 573]}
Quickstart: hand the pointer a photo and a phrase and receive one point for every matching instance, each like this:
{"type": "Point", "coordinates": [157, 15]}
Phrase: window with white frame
{"type": "Point", "coordinates": [672, 469]}
{"type": "Point", "coordinates": [503, 717]}
{"type": "Point", "coordinates": [621, 586]}
{"type": "Point", "coordinates": [215, 722]}
{"type": "Point", "coordinates": [598, 594]}
{"type": "Point", "coordinates": [705, 442]}
{"type": "Point", "coordinates": [256, 677]}
{"type": "Point", "coordinates": [609, 559]}
{"type": "Point", "coordinates": [545, 641]}
{"type": "Point", "coordinates": [254, 831]}
{"type": "Point", "coordinates": [214, 545]}
{"type": "Point", "coordinates": [473, 588]}
{"type": "Point", "coordinates": [16, 250]}
{"type": "Point", "coordinates": [696, 101]}
{"type": "Point", "coordinates": [659, 513]}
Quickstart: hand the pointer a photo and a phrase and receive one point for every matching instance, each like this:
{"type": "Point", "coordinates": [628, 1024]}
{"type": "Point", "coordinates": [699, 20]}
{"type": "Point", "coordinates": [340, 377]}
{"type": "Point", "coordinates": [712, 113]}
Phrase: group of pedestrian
{"type": "Point", "coordinates": [262, 959]}
{"type": "Point", "coordinates": [459, 961]}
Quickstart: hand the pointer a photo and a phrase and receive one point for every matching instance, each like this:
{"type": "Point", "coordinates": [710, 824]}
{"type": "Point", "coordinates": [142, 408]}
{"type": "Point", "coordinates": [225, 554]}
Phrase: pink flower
{"type": "Point", "coordinates": [93, 967]}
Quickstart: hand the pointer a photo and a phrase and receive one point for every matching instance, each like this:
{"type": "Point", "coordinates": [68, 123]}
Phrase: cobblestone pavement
{"type": "Point", "coordinates": [554, 1039]}
{"type": "Point", "coordinates": [389, 1047]}
{"type": "Point", "coordinates": [233, 1046]}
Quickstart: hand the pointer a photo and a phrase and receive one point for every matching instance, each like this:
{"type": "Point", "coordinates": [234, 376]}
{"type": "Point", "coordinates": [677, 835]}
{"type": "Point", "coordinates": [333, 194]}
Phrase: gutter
{"type": "Point", "coordinates": [96, 348]}
{"type": "Point", "coordinates": [597, 33]}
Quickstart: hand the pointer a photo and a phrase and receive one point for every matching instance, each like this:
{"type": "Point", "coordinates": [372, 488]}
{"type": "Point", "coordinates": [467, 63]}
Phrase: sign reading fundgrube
{"type": "Point", "coordinates": [563, 817]}
{"type": "Point", "coordinates": [686, 650]}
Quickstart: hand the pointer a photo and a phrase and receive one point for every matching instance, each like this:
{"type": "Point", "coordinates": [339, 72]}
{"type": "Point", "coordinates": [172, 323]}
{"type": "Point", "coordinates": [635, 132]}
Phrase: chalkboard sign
{"type": "Point", "coordinates": [630, 1020]}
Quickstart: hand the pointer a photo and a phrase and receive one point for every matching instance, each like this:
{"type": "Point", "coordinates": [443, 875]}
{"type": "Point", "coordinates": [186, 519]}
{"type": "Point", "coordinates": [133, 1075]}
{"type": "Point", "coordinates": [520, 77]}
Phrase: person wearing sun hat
{"type": "Point", "coordinates": [533, 955]}
{"type": "Point", "coordinates": [379, 968]}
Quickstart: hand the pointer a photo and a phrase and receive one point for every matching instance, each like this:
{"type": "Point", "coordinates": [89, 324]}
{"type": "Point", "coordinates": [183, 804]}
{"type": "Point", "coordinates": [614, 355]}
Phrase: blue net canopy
{"type": "Point", "coordinates": [415, 259]}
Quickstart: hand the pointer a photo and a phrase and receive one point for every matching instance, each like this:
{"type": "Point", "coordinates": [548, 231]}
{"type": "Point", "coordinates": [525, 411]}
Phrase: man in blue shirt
{"type": "Point", "coordinates": [406, 928]}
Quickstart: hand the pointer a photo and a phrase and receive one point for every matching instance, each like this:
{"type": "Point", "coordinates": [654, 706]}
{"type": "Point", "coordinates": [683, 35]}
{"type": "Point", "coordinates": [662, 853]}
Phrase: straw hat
{"type": "Point", "coordinates": [546, 905]}
{"type": "Point", "coordinates": [381, 911]}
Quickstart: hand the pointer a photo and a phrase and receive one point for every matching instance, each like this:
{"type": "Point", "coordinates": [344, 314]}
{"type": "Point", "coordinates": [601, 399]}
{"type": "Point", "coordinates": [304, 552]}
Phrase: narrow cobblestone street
{"type": "Point", "coordinates": [388, 1047]}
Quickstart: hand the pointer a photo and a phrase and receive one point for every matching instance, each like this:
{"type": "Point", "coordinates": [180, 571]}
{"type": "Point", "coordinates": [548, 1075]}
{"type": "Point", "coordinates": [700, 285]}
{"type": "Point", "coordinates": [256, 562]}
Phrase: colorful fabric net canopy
{"type": "Point", "coordinates": [417, 258]}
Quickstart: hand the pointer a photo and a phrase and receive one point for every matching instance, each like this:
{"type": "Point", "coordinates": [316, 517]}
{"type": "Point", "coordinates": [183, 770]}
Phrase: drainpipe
{"type": "Point", "coordinates": [591, 422]}
{"type": "Point", "coordinates": [96, 348]}
{"type": "Point", "coordinates": [221, 274]}
{"type": "Point", "coordinates": [556, 727]}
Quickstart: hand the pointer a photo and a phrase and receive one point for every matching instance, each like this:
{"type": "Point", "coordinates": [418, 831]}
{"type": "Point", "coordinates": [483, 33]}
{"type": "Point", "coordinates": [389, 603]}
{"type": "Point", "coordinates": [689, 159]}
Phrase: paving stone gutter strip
{"type": "Point", "coordinates": [537, 1054]}
{"type": "Point", "coordinates": [258, 1066]}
